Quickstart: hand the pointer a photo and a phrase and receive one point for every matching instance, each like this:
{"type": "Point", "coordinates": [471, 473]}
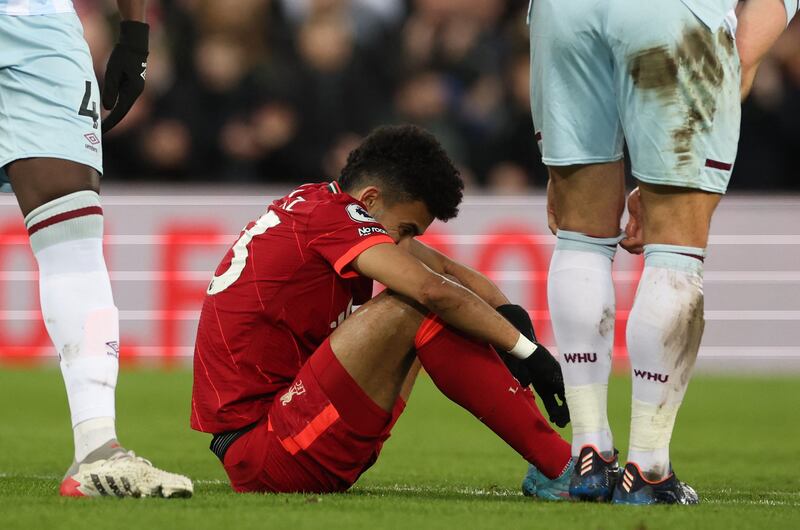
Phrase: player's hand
{"type": "Point", "coordinates": [634, 240]}
{"type": "Point", "coordinates": [549, 384]}
{"type": "Point", "coordinates": [125, 73]}
{"type": "Point", "coordinates": [540, 369]}
{"type": "Point", "coordinates": [552, 221]}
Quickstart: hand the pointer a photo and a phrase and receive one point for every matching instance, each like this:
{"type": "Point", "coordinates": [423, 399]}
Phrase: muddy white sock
{"type": "Point", "coordinates": [664, 331]}
{"type": "Point", "coordinates": [581, 299]}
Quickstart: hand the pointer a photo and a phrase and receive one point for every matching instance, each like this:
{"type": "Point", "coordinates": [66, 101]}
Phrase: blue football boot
{"type": "Point", "coordinates": [594, 476]}
{"type": "Point", "coordinates": [535, 484]}
{"type": "Point", "coordinates": [633, 488]}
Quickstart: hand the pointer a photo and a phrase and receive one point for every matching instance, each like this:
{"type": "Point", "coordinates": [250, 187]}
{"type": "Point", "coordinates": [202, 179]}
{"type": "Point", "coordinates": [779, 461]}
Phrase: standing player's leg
{"type": "Point", "coordinates": [577, 124]}
{"type": "Point", "coordinates": [666, 322]}
{"type": "Point", "coordinates": [49, 114]}
{"type": "Point", "coordinates": [64, 219]}
{"type": "Point", "coordinates": [588, 202]}
{"type": "Point", "coordinates": [678, 84]}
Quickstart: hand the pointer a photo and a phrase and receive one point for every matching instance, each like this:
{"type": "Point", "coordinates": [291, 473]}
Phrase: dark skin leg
{"type": "Point", "coordinates": [376, 347]}
{"type": "Point", "coordinates": [37, 181]}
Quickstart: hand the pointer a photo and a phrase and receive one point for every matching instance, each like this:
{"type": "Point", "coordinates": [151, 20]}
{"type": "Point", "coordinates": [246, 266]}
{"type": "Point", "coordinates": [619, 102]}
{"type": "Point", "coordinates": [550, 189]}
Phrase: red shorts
{"type": "Point", "coordinates": [319, 436]}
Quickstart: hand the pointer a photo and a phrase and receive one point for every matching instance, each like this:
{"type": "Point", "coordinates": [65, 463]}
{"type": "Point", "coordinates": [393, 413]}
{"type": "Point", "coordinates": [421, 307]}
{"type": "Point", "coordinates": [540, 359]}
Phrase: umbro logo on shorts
{"type": "Point", "coordinates": [296, 389]}
{"type": "Point", "coordinates": [92, 138]}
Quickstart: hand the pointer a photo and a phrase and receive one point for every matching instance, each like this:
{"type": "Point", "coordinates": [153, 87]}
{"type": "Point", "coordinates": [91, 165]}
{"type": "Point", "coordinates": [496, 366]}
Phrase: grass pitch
{"type": "Point", "coordinates": [736, 442]}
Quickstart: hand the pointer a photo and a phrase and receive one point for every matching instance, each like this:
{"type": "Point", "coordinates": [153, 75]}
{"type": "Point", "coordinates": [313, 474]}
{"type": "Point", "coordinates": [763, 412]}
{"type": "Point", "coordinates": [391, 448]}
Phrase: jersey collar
{"type": "Point", "coordinates": [334, 187]}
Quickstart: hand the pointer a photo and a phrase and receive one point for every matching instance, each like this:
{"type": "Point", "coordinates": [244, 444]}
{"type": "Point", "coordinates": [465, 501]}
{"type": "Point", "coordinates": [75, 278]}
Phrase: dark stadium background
{"type": "Point", "coordinates": [274, 91]}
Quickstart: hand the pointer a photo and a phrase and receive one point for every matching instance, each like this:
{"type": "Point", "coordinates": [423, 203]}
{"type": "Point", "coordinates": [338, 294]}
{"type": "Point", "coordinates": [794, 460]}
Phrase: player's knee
{"type": "Point", "coordinates": [677, 216]}
{"type": "Point", "coordinates": [397, 310]}
{"type": "Point", "coordinates": [589, 198]}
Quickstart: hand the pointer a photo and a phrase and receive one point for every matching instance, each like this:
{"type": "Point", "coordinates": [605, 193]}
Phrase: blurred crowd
{"type": "Point", "coordinates": [275, 91]}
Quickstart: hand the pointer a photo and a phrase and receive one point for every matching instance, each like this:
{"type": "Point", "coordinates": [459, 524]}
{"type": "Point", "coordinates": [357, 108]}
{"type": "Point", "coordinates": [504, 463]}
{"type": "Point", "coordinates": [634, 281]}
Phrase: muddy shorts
{"type": "Point", "coordinates": [647, 73]}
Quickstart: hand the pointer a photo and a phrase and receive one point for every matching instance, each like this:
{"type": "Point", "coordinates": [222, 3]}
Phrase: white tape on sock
{"type": "Point", "coordinates": [651, 425]}
{"type": "Point", "coordinates": [589, 417]}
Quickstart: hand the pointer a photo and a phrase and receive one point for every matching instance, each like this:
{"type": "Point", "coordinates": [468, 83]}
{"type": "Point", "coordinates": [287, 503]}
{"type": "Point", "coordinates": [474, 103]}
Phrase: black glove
{"type": "Point", "coordinates": [125, 72]}
{"type": "Point", "coordinates": [549, 384]}
{"type": "Point", "coordinates": [540, 369]}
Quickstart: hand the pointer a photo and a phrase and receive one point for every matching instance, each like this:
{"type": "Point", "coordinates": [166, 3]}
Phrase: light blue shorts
{"type": "Point", "coordinates": [649, 73]}
{"type": "Point", "coordinates": [49, 98]}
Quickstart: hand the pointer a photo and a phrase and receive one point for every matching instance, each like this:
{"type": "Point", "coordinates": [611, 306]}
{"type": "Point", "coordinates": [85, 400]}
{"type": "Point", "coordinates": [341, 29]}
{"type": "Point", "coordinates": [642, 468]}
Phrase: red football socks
{"type": "Point", "coordinates": [472, 375]}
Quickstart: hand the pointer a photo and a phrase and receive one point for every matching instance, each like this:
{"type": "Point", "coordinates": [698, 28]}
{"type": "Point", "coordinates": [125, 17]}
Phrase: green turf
{"type": "Point", "coordinates": [736, 442]}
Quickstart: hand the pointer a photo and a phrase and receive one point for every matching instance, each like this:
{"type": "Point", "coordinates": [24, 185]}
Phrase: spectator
{"type": "Point", "coordinates": [278, 90]}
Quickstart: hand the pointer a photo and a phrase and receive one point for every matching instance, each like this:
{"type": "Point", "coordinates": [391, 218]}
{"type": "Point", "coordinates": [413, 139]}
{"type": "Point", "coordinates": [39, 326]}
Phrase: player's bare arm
{"type": "Point", "coordinates": [760, 24]}
{"type": "Point", "coordinates": [132, 9]}
{"type": "Point", "coordinates": [486, 289]}
{"type": "Point", "coordinates": [468, 277]}
{"type": "Point", "coordinates": [455, 304]}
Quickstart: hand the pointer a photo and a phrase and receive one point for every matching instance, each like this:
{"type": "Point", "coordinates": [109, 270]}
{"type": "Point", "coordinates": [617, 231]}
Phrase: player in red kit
{"type": "Point", "coordinates": [299, 394]}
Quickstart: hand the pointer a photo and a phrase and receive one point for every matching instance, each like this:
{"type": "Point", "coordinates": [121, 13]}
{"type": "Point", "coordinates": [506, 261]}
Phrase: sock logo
{"type": "Point", "coordinates": [113, 348]}
{"type": "Point", "coordinates": [580, 357]}
{"type": "Point", "coordinates": [651, 376]}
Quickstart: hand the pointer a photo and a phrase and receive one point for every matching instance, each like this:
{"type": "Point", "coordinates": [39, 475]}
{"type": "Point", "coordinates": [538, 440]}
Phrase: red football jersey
{"type": "Point", "coordinates": [279, 292]}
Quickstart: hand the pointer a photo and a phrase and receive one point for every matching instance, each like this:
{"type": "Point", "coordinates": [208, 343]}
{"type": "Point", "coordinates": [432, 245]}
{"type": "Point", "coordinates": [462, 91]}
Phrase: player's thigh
{"type": "Point", "coordinates": [589, 198]}
{"type": "Point", "coordinates": [676, 216]}
{"type": "Point", "coordinates": [37, 181]}
{"type": "Point", "coordinates": [572, 84]}
{"type": "Point", "coordinates": [679, 94]}
{"type": "Point", "coordinates": [375, 345]}
{"type": "Point", "coordinates": [49, 108]}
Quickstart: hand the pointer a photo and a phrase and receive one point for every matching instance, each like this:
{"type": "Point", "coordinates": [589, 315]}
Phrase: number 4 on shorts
{"type": "Point", "coordinates": [84, 110]}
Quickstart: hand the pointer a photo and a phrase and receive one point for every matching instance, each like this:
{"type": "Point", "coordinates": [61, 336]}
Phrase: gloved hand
{"type": "Point", "coordinates": [549, 384]}
{"type": "Point", "coordinates": [540, 369]}
{"type": "Point", "coordinates": [125, 73]}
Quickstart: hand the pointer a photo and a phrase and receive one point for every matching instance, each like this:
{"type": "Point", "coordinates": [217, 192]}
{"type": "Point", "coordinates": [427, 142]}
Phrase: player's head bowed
{"type": "Point", "coordinates": [406, 164]}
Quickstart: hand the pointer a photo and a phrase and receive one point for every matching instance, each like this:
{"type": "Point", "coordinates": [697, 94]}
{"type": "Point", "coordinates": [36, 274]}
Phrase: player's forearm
{"type": "Point", "coordinates": [466, 311]}
{"type": "Point", "coordinates": [760, 24]}
{"type": "Point", "coordinates": [406, 274]}
{"type": "Point", "coordinates": [476, 282]}
{"type": "Point", "coordinates": [466, 276]}
{"type": "Point", "coordinates": [132, 9]}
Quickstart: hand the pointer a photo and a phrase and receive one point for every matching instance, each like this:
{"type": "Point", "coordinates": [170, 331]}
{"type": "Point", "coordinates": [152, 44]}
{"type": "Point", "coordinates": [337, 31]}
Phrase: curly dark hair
{"type": "Point", "coordinates": [409, 164]}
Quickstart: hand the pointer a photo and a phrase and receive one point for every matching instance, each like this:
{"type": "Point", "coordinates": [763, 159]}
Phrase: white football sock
{"type": "Point", "coordinates": [664, 331]}
{"type": "Point", "coordinates": [78, 310]}
{"type": "Point", "coordinates": [580, 294]}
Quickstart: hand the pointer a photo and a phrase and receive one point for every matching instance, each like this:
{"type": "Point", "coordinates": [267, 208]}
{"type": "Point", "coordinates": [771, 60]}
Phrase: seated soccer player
{"type": "Point", "coordinates": [299, 394]}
